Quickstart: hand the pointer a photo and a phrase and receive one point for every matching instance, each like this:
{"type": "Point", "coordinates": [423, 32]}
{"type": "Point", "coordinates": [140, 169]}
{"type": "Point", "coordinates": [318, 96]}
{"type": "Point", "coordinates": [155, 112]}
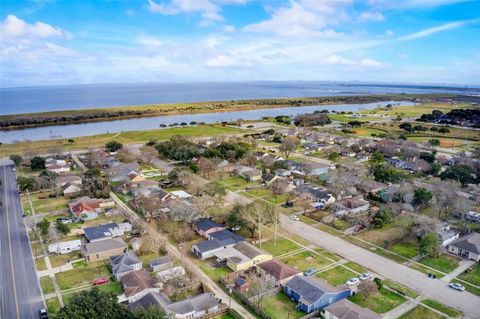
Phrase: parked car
{"type": "Point", "coordinates": [294, 217]}
{"type": "Point", "coordinates": [456, 286]}
{"type": "Point", "coordinates": [236, 228]}
{"type": "Point", "coordinates": [310, 272]}
{"type": "Point", "coordinates": [365, 276]}
{"type": "Point", "coordinates": [352, 282]}
{"type": "Point", "coordinates": [42, 313]}
{"type": "Point", "coordinates": [99, 281]}
{"type": "Point", "coordinates": [65, 220]}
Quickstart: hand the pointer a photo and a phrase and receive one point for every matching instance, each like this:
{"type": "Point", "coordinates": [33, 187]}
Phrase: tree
{"type": "Point", "coordinates": [43, 225]}
{"type": "Point", "coordinates": [17, 159]}
{"type": "Point", "coordinates": [148, 154]}
{"type": "Point", "coordinates": [288, 145]}
{"type": "Point", "coordinates": [235, 219]}
{"type": "Point", "coordinates": [434, 142]}
{"type": "Point", "coordinates": [382, 217]}
{"type": "Point", "coordinates": [63, 228]}
{"type": "Point", "coordinates": [206, 165]}
{"type": "Point", "coordinates": [377, 158]}
{"type": "Point", "coordinates": [429, 245]}
{"type": "Point", "coordinates": [386, 174]}
{"type": "Point", "coordinates": [278, 186]}
{"type": "Point", "coordinates": [113, 146]}
{"type": "Point", "coordinates": [257, 214]}
{"type": "Point", "coordinates": [427, 156]}
{"type": "Point", "coordinates": [334, 156]}
{"type": "Point", "coordinates": [367, 288]}
{"type": "Point", "coordinates": [443, 130]}
{"type": "Point", "coordinates": [26, 183]}
{"type": "Point", "coordinates": [94, 185]}
{"type": "Point", "coordinates": [406, 127]}
{"type": "Point", "coordinates": [421, 197]}
{"type": "Point", "coordinates": [461, 173]}
{"type": "Point", "coordinates": [274, 219]}
{"type": "Point", "coordinates": [37, 163]}
{"type": "Point", "coordinates": [378, 282]}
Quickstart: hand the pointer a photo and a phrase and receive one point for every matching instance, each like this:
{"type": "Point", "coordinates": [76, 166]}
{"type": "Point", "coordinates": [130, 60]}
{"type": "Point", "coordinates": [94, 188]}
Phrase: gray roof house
{"type": "Point", "coordinates": [124, 263]}
{"type": "Point", "coordinates": [161, 263]}
{"type": "Point", "coordinates": [101, 232]}
{"type": "Point", "coordinates": [467, 246]}
{"type": "Point", "coordinates": [216, 241]}
{"type": "Point", "coordinates": [345, 309]}
{"type": "Point", "coordinates": [195, 307]}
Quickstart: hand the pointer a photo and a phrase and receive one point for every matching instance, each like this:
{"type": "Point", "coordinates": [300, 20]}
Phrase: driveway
{"type": "Point", "coordinates": [432, 288]}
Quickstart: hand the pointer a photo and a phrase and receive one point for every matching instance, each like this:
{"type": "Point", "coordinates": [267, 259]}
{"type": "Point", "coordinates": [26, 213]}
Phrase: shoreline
{"type": "Point", "coordinates": [67, 117]}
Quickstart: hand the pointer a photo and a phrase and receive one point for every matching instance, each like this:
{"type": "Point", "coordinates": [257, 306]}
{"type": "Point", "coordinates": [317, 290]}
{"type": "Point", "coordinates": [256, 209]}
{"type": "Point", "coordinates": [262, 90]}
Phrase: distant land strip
{"type": "Point", "coordinates": [19, 121]}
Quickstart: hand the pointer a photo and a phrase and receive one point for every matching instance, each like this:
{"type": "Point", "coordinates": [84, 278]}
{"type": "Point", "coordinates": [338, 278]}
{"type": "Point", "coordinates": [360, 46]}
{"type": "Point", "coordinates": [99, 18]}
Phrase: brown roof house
{"type": "Point", "coordinates": [345, 309]}
{"type": "Point", "coordinates": [137, 284]}
{"type": "Point", "coordinates": [103, 249]}
{"type": "Point", "coordinates": [86, 208]}
{"type": "Point", "coordinates": [467, 246]}
{"type": "Point", "coordinates": [278, 270]}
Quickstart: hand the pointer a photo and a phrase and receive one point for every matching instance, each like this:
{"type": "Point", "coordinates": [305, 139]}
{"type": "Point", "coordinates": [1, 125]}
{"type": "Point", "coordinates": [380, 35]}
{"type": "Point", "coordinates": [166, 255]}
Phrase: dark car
{"type": "Point", "coordinates": [43, 313]}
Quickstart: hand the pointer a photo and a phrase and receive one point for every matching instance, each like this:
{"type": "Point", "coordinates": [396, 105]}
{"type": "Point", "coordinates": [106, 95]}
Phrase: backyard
{"type": "Point", "coordinates": [280, 306]}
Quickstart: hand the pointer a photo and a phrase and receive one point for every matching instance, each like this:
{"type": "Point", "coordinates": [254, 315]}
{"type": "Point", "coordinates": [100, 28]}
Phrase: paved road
{"type": "Point", "coordinates": [20, 294]}
{"type": "Point", "coordinates": [466, 302]}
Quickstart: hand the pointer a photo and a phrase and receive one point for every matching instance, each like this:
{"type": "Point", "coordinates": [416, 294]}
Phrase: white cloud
{"type": "Point", "coordinates": [372, 16]}
{"type": "Point", "coordinates": [13, 27]}
{"type": "Point", "coordinates": [303, 18]}
{"type": "Point", "coordinates": [427, 32]}
{"type": "Point", "coordinates": [335, 59]}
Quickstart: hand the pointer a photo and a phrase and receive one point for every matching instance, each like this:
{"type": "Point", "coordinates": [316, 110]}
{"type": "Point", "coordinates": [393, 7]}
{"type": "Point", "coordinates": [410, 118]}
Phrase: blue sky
{"type": "Point", "coordinates": [70, 42]}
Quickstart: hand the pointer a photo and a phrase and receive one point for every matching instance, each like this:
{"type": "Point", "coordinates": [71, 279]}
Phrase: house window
{"type": "Point", "coordinates": [330, 300]}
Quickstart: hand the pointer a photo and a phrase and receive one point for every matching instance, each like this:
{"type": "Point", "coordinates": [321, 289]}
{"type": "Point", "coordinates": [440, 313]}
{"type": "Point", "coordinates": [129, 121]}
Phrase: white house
{"type": "Point", "coordinates": [65, 247]}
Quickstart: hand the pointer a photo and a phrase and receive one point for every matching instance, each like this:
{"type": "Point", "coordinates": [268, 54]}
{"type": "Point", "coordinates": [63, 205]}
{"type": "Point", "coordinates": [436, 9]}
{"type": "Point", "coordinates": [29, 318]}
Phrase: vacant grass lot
{"type": "Point", "coordinates": [46, 205]}
{"type": "Point", "coordinates": [406, 250]}
{"type": "Point", "coordinates": [387, 234]}
{"type": "Point", "coordinates": [306, 260]}
{"type": "Point", "coordinates": [383, 301]}
{"type": "Point", "coordinates": [473, 276]}
{"type": "Point", "coordinates": [47, 285]}
{"type": "Point", "coordinates": [280, 306]}
{"type": "Point", "coordinates": [442, 308]}
{"type": "Point", "coordinates": [60, 260]}
{"type": "Point", "coordinates": [367, 131]}
{"type": "Point", "coordinates": [444, 263]}
{"type": "Point", "coordinates": [53, 305]}
{"type": "Point", "coordinates": [337, 275]}
{"type": "Point", "coordinates": [235, 183]}
{"type": "Point", "coordinates": [421, 312]}
{"type": "Point", "coordinates": [266, 194]}
{"type": "Point", "coordinates": [282, 246]}
{"type": "Point", "coordinates": [396, 286]}
{"type": "Point", "coordinates": [82, 276]}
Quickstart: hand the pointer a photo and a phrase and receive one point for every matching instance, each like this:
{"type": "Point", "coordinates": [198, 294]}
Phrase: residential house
{"type": "Point", "coordinates": [242, 256]}
{"type": "Point", "coordinates": [161, 263]}
{"type": "Point", "coordinates": [250, 174]}
{"type": "Point", "coordinates": [182, 195]}
{"type": "Point", "coordinates": [65, 247]}
{"type": "Point", "coordinates": [103, 249]}
{"type": "Point", "coordinates": [467, 246]}
{"type": "Point", "coordinates": [350, 205]}
{"type": "Point", "coordinates": [312, 293]}
{"type": "Point", "coordinates": [269, 178]}
{"type": "Point", "coordinates": [71, 189]}
{"type": "Point", "coordinates": [316, 195]}
{"type": "Point", "coordinates": [345, 309]}
{"type": "Point", "coordinates": [121, 172]}
{"type": "Point", "coordinates": [56, 166]}
{"type": "Point", "coordinates": [279, 271]}
{"type": "Point", "coordinates": [171, 273]}
{"type": "Point", "coordinates": [446, 235]}
{"type": "Point", "coordinates": [216, 241]}
{"type": "Point", "coordinates": [371, 186]}
{"type": "Point", "coordinates": [196, 307]}
{"type": "Point", "coordinates": [124, 263]}
{"type": "Point", "coordinates": [152, 191]}
{"type": "Point", "coordinates": [63, 179]}
{"type": "Point", "coordinates": [137, 284]}
{"type": "Point", "coordinates": [401, 164]}
{"type": "Point", "coordinates": [472, 217]}
{"type": "Point", "coordinates": [103, 231]}
{"type": "Point", "coordinates": [206, 226]}
{"type": "Point", "coordinates": [136, 243]}
{"type": "Point", "coordinates": [86, 208]}
{"type": "Point", "coordinates": [282, 172]}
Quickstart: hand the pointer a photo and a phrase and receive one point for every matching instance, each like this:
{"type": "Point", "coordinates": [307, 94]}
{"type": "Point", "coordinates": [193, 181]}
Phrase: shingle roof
{"type": "Point", "coordinates": [99, 231]}
{"type": "Point", "coordinates": [311, 288]}
{"type": "Point", "coordinates": [226, 237]}
{"type": "Point", "coordinates": [151, 299]}
{"type": "Point", "coordinates": [136, 281]}
{"type": "Point", "coordinates": [205, 224]}
{"type": "Point", "coordinates": [470, 242]}
{"type": "Point", "coordinates": [208, 245]}
{"type": "Point", "coordinates": [345, 309]}
{"type": "Point", "coordinates": [278, 270]}
{"type": "Point", "coordinates": [123, 263]}
{"type": "Point", "coordinates": [104, 245]}
{"type": "Point", "coordinates": [201, 302]}
{"type": "Point", "coordinates": [248, 249]}
{"type": "Point", "coordinates": [160, 261]}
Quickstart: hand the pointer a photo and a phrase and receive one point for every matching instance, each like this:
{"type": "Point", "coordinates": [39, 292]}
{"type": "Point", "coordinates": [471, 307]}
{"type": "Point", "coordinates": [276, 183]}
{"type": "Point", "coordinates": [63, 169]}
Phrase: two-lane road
{"type": "Point", "coordinates": [20, 294]}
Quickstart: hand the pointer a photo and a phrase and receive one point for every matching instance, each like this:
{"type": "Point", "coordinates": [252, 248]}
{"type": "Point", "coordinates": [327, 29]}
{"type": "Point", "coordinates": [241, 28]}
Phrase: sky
{"type": "Point", "coordinates": [47, 42]}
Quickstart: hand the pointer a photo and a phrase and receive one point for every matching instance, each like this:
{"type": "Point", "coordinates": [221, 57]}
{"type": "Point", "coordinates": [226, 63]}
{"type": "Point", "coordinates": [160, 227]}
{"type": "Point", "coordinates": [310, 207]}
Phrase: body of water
{"type": "Point", "coordinates": [72, 97]}
{"type": "Point", "coordinates": [149, 123]}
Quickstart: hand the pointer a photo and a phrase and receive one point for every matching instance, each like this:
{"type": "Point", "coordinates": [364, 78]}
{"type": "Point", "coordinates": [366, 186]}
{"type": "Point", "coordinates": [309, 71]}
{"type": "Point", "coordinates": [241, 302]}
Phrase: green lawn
{"type": "Point", "coordinates": [442, 308]}
{"type": "Point", "coordinates": [443, 263]}
{"type": "Point", "coordinates": [383, 301]}
{"type": "Point", "coordinates": [114, 287]}
{"type": "Point", "coordinates": [279, 307]}
{"type": "Point", "coordinates": [47, 285]}
{"type": "Point", "coordinates": [40, 264]}
{"type": "Point", "coordinates": [396, 286]}
{"type": "Point", "coordinates": [266, 194]}
{"type": "Point", "coordinates": [49, 204]}
{"type": "Point", "coordinates": [282, 246]}
{"type": "Point", "coordinates": [355, 267]}
{"type": "Point", "coordinates": [235, 183]}
{"type": "Point", "coordinates": [214, 273]}
{"type": "Point", "coordinates": [82, 276]}
{"type": "Point", "coordinates": [421, 312]}
{"type": "Point", "coordinates": [406, 250]}
{"type": "Point", "coordinates": [53, 305]}
{"type": "Point", "coordinates": [425, 270]}
{"type": "Point", "coordinates": [306, 260]}
{"type": "Point", "coordinates": [336, 276]}
{"type": "Point", "coordinates": [473, 276]}
{"type": "Point", "coordinates": [60, 260]}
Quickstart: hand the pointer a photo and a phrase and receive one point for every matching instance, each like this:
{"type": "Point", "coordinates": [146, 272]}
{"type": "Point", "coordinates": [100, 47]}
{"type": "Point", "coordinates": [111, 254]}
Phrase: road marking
{"type": "Point", "coordinates": [10, 243]}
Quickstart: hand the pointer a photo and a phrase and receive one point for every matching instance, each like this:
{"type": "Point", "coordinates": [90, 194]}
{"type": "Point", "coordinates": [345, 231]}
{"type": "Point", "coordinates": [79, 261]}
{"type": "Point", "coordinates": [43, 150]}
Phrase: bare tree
{"type": "Point", "coordinates": [206, 165]}
{"type": "Point", "coordinates": [367, 288]}
{"type": "Point", "coordinates": [278, 186]}
{"type": "Point", "coordinates": [257, 214]}
{"type": "Point", "coordinates": [274, 219]}
{"type": "Point", "coordinates": [153, 244]}
{"type": "Point", "coordinates": [147, 154]}
{"type": "Point", "coordinates": [288, 145]}
{"type": "Point", "coordinates": [445, 193]}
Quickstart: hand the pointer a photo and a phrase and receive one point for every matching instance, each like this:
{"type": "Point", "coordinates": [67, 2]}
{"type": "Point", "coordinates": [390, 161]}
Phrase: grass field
{"type": "Point", "coordinates": [443, 263]}
{"type": "Point", "coordinates": [40, 264]}
{"type": "Point", "coordinates": [282, 246]}
{"type": "Point", "coordinates": [280, 306]}
{"type": "Point", "coordinates": [473, 276]}
{"type": "Point", "coordinates": [47, 285]}
{"type": "Point", "coordinates": [53, 305]}
{"type": "Point", "coordinates": [305, 260]}
{"type": "Point", "coordinates": [383, 236]}
{"type": "Point", "coordinates": [414, 110]}
{"type": "Point", "coordinates": [383, 301]}
{"type": "Point", "coordinates": [421, 312]}
{"type": "Point", "coordinates": [442, 308]}
{"type": "Point", "coordinates": [336, 276]}
{"type": "Point", "coordinates": [128, 137]}
{"type": "Point", "coordinates": [367, 131]}
{"type": "Point", "coordinates": [81, 276]}
{"type": "Point", "coordinates": [406, 250]}
{"type": "Point", "coordinates": [396, 286]}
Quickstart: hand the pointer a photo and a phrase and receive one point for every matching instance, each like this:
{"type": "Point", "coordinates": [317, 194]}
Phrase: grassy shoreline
{"type": "Point", "coordinates": [127, 112]}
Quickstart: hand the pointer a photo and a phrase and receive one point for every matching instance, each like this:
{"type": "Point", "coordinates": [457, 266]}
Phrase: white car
{"type": "Point", "coordinates": [456, 286]}
{"type": "Point", "coordinates": [294, 217]}
{"type": "Point", "coordinates": [365, 276]}
{"type": "Point", "coordinates": [352, 282]}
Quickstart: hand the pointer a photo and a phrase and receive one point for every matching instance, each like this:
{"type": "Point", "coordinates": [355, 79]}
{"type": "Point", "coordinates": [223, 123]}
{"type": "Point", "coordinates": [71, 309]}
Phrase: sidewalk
{"type": "Point", "coordinates": [463, 265]}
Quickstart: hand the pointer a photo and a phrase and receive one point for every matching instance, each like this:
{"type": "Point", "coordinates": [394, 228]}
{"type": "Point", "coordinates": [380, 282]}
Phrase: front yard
{"type": "Point", "coordinates": [421, 312]}
{"type": "Point", "coordinates": [282, 246]}
{"type": "Point", "coordinates": [442, 308]}
{"type": "Point", "coordinates": [473, 276]}
{"type": "Point", "coordinates": [280, 306]}
{"type": "Point", "coordinates": [407, 250]}
{"type": "Point", "coordinates": [444, 263]}
{"type": "Point", "coordinates": [336, 276]}
{"type": "Point", "coordinates": [306, 260]}
{"type": "Point", "coordinates": [383, 301]}
{"type": "Point", "coordinates": [82, 276]}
